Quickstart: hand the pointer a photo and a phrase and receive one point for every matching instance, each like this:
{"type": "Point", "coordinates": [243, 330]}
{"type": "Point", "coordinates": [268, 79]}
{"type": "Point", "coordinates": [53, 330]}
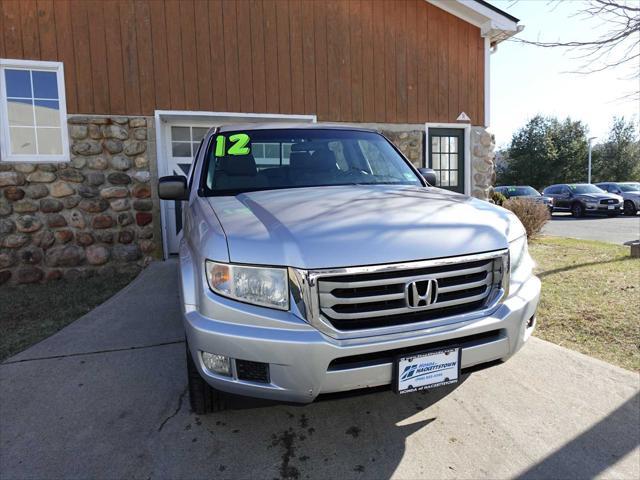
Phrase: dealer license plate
{"type": "Point", "coordinates": [426, 370]}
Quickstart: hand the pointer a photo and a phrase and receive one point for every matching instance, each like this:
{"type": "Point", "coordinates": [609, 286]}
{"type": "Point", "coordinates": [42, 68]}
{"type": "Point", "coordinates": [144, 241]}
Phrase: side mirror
{"type": "Point", "coordinates": [173, 187]}
{"type": "Point", "coordinates": [429, 175]}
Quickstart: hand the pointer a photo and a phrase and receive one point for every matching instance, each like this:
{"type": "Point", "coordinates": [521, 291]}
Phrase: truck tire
{"type": "Point", "coordinates": [202, 396]}
{"type": "Point", "coordinates": [577, 210]}
{"type": "Point", "coordinates": [629, 208]}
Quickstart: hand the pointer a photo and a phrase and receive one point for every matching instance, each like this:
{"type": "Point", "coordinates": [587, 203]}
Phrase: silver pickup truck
{"type": "Point", "coordinates": [316, 259]}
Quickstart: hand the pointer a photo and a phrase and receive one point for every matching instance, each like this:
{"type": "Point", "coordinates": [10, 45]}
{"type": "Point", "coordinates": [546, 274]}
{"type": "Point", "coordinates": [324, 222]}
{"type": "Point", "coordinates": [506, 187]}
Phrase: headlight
{"type": "Point", "coordinates": [520, 262]}
{"type": "Point", "coordinates": [264, 286]}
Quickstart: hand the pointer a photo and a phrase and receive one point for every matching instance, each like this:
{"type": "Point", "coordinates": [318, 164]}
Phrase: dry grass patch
{"type": "Point", "coordinates": [590, 298]}
{"type": "Point", "coordinates": [31, 313]}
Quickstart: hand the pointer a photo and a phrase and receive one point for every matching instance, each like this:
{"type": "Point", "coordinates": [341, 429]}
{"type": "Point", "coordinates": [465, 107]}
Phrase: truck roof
{"type": "Point", "coordinates": [289, 126]}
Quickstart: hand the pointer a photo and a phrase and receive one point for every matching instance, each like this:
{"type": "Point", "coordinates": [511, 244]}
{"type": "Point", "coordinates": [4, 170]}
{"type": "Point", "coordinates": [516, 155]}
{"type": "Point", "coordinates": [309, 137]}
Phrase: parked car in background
{"type": "Point", "coordinates": [525, 191]}
{"type": "Point", "coordinates": [629, 191]}
{"type": "Point", "coordinates": [338, 266]}
{"type": "Point", "coordinates": [583, 198]}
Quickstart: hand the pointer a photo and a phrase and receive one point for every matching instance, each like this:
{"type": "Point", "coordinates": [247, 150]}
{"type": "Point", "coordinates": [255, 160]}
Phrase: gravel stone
{"type": "Point", "coordinates": [25, 206]}
{"type": "Point", "coordinates": [28, 224]}
{"type": "Point", "coordinates": [102, 221]}
{"type": "Point", "coordinates": [71, 175]}
{"type": "Point", "coordinates": [13, 193]}
{"type": "Point", "coordinates": [97, 255]}
{"type": "Point", "coordinates": [56, 220]}
{"type": "Point", "coordinates": [39, 190]}
{"type": "Point", "coordinates": [61, 189]}
{"type": "Point", "coordinates": [64, 256]}
{"type": "Point", "coordinates": [118, 178]}
{"type": "Point", "coordinates": [95, 178]}
{"type": "Point", "coordinates": [94, 205]}
{"type": "Point", "coordinates": [50, 205]}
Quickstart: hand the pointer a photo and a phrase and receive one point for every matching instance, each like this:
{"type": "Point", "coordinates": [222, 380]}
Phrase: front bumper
{"type": "Point", "coordinates": [617, 208]}
{"type": "Point", "coordinates": [299, 356]}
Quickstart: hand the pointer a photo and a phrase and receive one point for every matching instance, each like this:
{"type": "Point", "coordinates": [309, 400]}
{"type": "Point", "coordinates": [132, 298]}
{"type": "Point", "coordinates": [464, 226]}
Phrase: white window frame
{"type": "Point", "coordinates": [5, 154]}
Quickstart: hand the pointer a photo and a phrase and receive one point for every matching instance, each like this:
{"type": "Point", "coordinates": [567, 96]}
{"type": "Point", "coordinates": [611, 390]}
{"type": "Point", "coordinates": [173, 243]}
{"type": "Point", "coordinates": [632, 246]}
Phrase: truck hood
{"type": "Point", "coordinates": [340, 226]}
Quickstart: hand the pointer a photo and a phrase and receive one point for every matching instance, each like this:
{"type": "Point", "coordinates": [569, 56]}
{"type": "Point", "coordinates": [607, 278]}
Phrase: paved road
{"type": "Point", "coordinates": [613, 230]}
{"type": "Point", "coordinates": [106, 398]}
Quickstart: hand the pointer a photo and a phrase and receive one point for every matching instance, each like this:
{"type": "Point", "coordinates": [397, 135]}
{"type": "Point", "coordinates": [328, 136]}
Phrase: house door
{"type": "Point", "coordinates": [183, 141]}
{"type": "Point", "coordinates": [446, 157]}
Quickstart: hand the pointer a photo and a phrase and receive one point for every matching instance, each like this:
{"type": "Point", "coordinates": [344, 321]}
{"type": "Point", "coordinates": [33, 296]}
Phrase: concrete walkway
{"type": "Point", "coordinates": [106, 398]}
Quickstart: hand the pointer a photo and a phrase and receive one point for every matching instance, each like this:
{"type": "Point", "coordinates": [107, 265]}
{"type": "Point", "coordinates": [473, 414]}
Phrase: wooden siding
{"type": "Point", "coordinates": [401, 61]}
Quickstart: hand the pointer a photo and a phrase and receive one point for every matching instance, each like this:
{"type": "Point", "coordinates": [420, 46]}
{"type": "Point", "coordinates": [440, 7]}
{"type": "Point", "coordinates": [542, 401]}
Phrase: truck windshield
{"type": "Point", "coordinates": [250, 160]}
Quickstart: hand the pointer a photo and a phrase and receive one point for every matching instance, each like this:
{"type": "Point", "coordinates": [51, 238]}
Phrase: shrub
{"type": "Point", "coordinates": [532, 215]}
{"type": "Point", "coordinates": [498, 198]}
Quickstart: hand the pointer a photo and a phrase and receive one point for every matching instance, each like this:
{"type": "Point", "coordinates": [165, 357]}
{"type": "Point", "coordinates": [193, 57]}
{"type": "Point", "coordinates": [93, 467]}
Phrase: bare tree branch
{"type": "Point", "coordinates": [618, 47]}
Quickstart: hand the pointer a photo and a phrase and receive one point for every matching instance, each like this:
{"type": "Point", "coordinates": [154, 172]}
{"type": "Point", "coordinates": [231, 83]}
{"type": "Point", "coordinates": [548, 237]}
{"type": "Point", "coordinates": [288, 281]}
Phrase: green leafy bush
{"type": "Point", "coordinates": [498, 198]}
{"type": "Point", "coordinates": [532, 215]}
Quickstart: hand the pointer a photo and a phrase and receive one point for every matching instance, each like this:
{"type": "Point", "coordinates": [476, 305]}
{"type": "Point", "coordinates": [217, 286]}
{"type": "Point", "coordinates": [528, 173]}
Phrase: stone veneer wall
{"type": "Point", "coordinates": [410, 143]}
{"type": "Point", "coordinates": [483, 174]}
{"type": "Point", "coordinates": [94, 214]}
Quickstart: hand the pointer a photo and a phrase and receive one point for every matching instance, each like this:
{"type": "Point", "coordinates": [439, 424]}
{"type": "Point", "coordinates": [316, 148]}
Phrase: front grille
{"type": "Point", "coordinates": [252, 371]}
{"type": "Point", "coordinates": [378, 299]}
{"type": "Point", "coordinates": [608, 201]}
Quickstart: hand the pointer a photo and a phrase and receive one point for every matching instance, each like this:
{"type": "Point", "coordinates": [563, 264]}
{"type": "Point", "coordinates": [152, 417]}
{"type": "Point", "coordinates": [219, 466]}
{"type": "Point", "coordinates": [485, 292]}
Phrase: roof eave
{"type": "Point", "coordinates": [494, 24]}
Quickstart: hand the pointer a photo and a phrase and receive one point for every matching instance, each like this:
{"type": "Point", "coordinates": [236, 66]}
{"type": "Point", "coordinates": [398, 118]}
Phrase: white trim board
{"type": "Point", "coordinates": [165, 118]}
{"type": "Point", "coordinates": [467, 148]}
{"type": "Point", "coordinates": [492, 24]}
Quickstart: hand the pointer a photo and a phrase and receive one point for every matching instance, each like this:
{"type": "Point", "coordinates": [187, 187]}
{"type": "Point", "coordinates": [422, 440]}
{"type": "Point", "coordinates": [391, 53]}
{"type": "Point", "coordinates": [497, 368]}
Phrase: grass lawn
{"type": "Point", "coordinates": [590, 298]}
{"type": "Point", "coordinates": [31, 313]}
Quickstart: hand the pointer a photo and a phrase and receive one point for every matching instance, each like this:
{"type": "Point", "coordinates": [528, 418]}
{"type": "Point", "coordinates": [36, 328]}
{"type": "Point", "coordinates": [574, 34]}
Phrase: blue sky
{"type": "Point", "coordinates": [527, 80]}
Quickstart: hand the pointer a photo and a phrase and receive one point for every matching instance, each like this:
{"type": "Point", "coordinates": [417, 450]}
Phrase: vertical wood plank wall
{"type": "Point", "coordinates": [403, 61]}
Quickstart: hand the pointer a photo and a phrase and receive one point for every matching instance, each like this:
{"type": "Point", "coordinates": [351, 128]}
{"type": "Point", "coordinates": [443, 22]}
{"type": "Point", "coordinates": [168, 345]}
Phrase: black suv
{"type": "Point", "coordinates": [581, 198]}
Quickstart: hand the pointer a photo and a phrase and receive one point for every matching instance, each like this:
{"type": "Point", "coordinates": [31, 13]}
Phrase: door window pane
{"type": "Point", "coordinates": [181, 149]}
{"type": "Point", "coordinates": [180, 134]}
{"type": "Point", "coordinates": [453, 162]}
{"type": "Point", "coordinates": [435, 144]}
{"type": "Point", "coordinates": [198, 133]}
{"type": "Point", "coordinates": [444, 144]}
{"type": "Point", "coordinates": [444, 178]}
{"type": "Point", "coordinates": [453, 178]}
{"type": "Point", "coordinates": [453, 144]}
{"type": "Point", "coordinates": [435, 161]}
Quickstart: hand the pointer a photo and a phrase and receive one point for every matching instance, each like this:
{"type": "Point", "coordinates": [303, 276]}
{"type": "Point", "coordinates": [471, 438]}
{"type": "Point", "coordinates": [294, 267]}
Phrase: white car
{"type": "Point", "coordinates": [629, 191]}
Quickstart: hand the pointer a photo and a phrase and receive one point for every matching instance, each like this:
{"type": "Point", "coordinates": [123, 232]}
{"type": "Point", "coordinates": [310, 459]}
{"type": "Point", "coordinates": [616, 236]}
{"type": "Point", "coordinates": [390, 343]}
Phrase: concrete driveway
{"type": "Point", "coordinates": [613, 230]}
{"type": "Point", "coordinates": [106, 398]}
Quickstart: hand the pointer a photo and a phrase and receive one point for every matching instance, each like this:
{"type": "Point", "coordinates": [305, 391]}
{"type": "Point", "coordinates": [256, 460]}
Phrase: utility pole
{"type": "Point", "coordinates": [589, 175]}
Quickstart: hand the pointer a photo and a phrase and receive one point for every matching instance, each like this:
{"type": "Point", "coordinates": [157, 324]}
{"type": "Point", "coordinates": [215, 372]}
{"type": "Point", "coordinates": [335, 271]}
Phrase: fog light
{"type": "Point", "coordinates": [220, 364]}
